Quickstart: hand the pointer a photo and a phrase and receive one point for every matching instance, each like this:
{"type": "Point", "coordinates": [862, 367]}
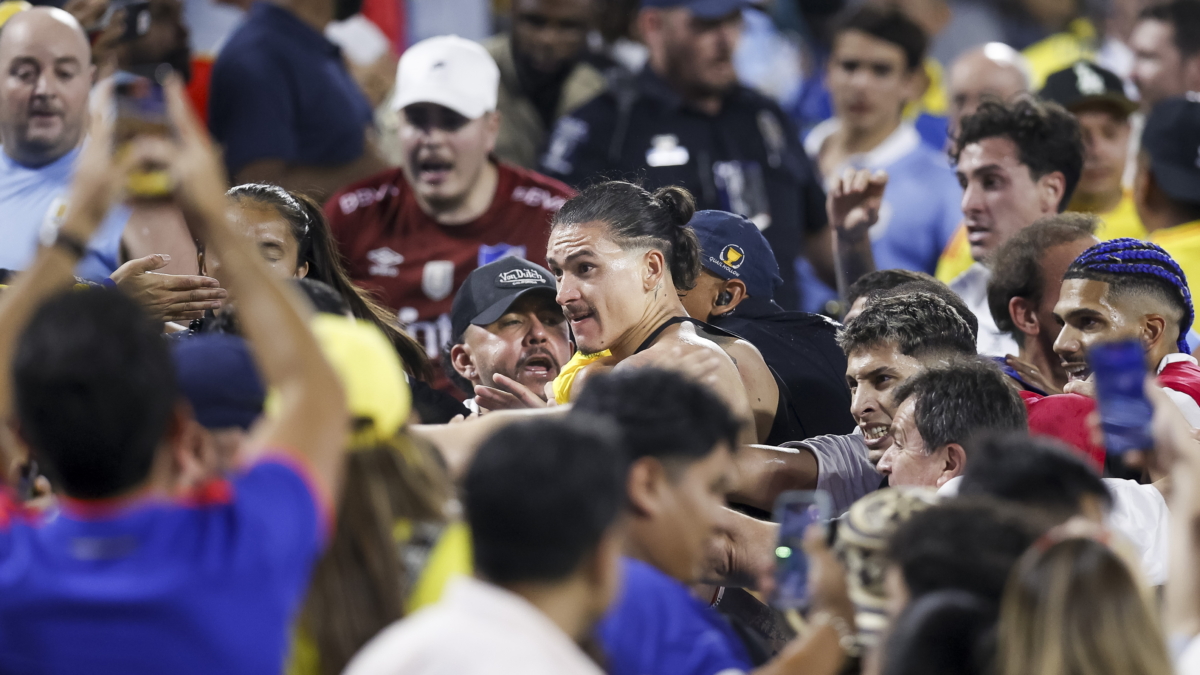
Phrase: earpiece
{"type": "Point", "coordinates": [724, 298]}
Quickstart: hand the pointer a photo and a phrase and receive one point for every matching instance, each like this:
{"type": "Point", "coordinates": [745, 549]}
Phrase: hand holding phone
{"type": "Point", "coordinates": [795, 511]}
{"type": "Point", "coordinates": [141, 110]}
{"type": "Point", "coordinates": [1125, 413]}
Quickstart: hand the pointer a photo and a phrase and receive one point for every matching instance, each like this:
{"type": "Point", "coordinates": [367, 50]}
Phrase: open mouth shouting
{"type": "Point", "coordinates": [433, 171]}
{"type": "Point", "coordinates": [538, 366]}
{"type": "Point", "coordinates": [1076, 370]}
{"type": "Point", "coordinates": [878, 438]}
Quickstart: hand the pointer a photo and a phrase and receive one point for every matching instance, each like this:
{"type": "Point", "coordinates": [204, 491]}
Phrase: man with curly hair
{"type": "Point", "coordinates": [1016, 162]}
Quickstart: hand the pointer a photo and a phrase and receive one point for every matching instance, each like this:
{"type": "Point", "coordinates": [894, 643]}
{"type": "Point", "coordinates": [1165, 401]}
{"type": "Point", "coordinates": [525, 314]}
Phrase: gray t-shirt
{"type": "Point", "coordinates": [844, 469]}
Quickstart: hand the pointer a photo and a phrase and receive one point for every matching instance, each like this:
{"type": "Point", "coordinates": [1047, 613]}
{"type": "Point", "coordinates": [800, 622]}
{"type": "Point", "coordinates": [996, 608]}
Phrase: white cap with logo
{"type": "Point", "coordinates": [450, 71]}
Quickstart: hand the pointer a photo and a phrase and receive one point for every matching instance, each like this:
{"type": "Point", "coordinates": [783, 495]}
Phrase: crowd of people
{"type": "Point", "coordinates": [373, 355]}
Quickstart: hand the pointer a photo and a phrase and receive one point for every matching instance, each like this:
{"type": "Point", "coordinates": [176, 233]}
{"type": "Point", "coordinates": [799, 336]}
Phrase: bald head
{"type": "Point", "coordinates": [991, 70]}
{"type": "Point", "coordinates": [46, 77]}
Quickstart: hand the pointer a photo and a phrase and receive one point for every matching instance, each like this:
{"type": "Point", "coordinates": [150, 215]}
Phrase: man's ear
{"type": "Point", "coordinates": [736, 288]}
{"type": "Point", "coordinates": [491, 121]}
{"type": "Point", "coordinates": [1051, 189]}
{"type": "Point", "coordinates": [1154, 329]}
{"type": "Point", "coordinates": [1024, 315]}
{"type": "Point", "coordinates": [955, 463]}
{"type": "Point", "coordinates": [647, 478]}
{"type": "Point", "coordinates": [460, 358]}
{"type": "Point", "coordinates": [655, 269]}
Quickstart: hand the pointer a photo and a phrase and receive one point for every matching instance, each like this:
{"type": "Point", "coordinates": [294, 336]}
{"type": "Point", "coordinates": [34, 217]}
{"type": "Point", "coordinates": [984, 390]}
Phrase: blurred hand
{"type": "Point", "coordinates": [1082, 387]}
{"type": "Point", "coordinates": [195, 165]}
{"type": "Point", "coordinates": [375, 79]}
{"type": "Point", "coordinates": [694, 361]}
{"type": "Point", "coordinates": [89, 12]}
{"type": "Point", "coordinates": [1175, 441]}
{"type": "Point", "coordinates": [508, 395]}
{"type": "Point", "coordinates": [853, 203]}
{"type": "Point", "coordinates": [167, 297]}
{"type": "Point", "coordinates": [827, 590]}
{"type": "Point", "coordinates": [1032, 375]}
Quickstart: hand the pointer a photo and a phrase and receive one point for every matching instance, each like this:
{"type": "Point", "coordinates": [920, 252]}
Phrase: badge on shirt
{"type": "Point", "coordinates": [742, 189]}
{"type": "Point", "coordinates": [490, 254]}
{"type": "Point", "coordinates": [665, 150]}
{"type": "Point", "coordinates": [569, 132]}
{"type": "Point", "coordinates": [437, 279]}
{"type": "Point", "coordinates": [55, 216]}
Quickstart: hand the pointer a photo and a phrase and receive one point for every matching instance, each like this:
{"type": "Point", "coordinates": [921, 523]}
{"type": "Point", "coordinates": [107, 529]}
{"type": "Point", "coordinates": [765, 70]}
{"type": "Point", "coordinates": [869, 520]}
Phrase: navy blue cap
{"type": "Point", "coordinates": [731, 247]}
{"type": "Point", "coordinates": [490, 290]}
{"type": "Point", "coordinates": [1172, 139]}
{"type": "Point", "coordinates": [704, 9]}
{"type": "Point", "coordinates": [217, 376]}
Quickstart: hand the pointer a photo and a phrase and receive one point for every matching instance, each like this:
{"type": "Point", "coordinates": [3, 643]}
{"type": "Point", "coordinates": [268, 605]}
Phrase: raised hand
{"type": "Point", "coordinates": [507, 395]}
{"type": "Point", "coordinates": [853, 203]}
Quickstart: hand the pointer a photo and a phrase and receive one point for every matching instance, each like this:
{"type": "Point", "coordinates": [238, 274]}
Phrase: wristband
{"type": "Point", "coordinates": [71, 244]}
{"type": "Point", "coordinates": [847, 639]}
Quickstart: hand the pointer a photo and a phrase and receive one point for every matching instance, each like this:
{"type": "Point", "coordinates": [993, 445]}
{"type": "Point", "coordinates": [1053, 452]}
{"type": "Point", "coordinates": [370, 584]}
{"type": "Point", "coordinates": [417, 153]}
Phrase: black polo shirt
{"type": "Point", "coordinates": [747, 159]}
{"type": "Point", "coordinates": [280, 90]}
{"type": "Point", "coordinates": [802, 349]}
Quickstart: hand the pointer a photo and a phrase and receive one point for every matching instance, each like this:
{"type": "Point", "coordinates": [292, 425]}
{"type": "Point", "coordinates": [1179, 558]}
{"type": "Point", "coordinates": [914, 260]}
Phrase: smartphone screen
{"type": "Point", "coordinates": [795, 511]}
{"type": "Point", "coordinates": [1120, 374]}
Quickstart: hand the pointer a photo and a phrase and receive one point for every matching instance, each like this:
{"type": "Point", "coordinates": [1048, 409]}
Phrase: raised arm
{"type": "Point", "coordinates": [853, 207]}
{"type": "Point", "coordinates": [311, 419]}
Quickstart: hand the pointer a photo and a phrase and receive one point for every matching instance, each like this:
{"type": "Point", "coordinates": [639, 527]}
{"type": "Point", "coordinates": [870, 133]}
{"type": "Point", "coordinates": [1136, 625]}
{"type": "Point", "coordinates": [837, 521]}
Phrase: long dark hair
{"type": "Point", "coordinates": [325, 264]}
{"type": "Point", "coordinates": [637, 218]}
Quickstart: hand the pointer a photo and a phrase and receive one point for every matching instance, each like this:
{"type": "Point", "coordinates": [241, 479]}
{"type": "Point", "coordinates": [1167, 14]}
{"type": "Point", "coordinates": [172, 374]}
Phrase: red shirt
{"type": "Point", "coordinates": [414, 265]}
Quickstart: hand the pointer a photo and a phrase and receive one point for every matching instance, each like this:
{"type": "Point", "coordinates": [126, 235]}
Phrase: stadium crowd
{"type": "Point", "coordinates": [332, 342]}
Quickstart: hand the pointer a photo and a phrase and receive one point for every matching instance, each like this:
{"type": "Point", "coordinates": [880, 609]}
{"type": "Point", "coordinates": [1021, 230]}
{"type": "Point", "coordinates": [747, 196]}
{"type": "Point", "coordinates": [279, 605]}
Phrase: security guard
{"type": "Point", "coordinates": [734, 292]}
{"type": "Point", "coordinates": [685, 120]}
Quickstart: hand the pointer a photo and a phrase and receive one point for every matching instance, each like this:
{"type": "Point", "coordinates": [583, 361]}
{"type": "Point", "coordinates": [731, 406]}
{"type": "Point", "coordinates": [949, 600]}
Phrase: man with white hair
{"type": "Point", "coordinates": [413, 234]}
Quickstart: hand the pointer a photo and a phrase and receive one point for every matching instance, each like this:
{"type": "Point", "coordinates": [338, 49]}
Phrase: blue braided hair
{"type": "Point", "coordinates": [1120, 262]}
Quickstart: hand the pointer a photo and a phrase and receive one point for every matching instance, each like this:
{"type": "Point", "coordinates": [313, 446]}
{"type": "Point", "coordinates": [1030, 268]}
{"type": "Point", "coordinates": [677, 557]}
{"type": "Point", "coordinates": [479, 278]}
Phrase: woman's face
{"type": "Point", "coordinates": [272, 237]}
{"type": "Point", "coordinates": [601, 287]}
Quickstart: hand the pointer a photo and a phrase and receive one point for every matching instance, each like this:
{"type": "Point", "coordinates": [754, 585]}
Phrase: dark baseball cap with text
{"type": "Point", "coordinates": [490, 290]}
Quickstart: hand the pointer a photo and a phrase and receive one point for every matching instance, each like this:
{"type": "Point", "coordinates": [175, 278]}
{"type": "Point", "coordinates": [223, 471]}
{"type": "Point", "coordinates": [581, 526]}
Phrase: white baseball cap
{"type": "Point", "coordinates": [449, 71]}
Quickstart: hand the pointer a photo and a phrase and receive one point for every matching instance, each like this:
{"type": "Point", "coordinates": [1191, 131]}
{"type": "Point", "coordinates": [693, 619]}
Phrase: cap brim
{"type": "Point", "coordinates": [498, 308]}
{"type": "Point", "coordinates": [1180, 183]}
{"type": "Point", "coordinates": [400, 102]}
{"type": "Point", "coordinates": [716, 9]}
{"type": "Point", "coordinates": [1121, 103]}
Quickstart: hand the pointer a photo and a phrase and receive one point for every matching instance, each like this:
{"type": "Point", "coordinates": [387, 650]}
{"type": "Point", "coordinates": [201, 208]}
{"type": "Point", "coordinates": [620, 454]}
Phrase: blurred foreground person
{"type": "Point", "coordinates": [125, 579]}
{"type": "Point", "coordinates": [543, 501]}
{"type": "Point", "coordinates": [681, 441]}
{"type": "Point", "coordinates": [1072, 606]}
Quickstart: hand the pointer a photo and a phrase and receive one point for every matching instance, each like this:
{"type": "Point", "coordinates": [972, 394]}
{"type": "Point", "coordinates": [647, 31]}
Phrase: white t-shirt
{"type": "Point", "coordinates": [476, 629]}
{"type": "Point", "coordinates": [971, 286]}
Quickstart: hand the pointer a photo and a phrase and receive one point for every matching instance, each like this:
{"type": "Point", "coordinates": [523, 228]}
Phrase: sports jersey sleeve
{"type": "Point", "coordinates": [251, 113]}
{"type": "Point", "coordinates": [291, 518]}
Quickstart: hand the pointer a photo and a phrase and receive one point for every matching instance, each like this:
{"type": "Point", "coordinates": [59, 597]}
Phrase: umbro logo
{"type": "Point", "coordinates": [384, 262]}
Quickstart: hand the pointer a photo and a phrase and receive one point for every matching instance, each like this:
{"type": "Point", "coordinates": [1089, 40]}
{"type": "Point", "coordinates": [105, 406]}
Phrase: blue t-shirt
{"type": "Point", "coordinates": [31, 198]}
{"type": "Point", "coordinates": [281, 91]}
{"type": "Point", "coordinates": [657, 627]}
{"type": "Point", "coordinates": [922, 207]}
{"type": "Point", "coordinates": [162, 587]}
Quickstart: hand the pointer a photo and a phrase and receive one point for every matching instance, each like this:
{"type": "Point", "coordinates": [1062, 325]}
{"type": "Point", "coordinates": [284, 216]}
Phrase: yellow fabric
{"type": "Point", "coordinates": [1122, 221]}
{"type": "Point", "coordinates": [566, 377]}
{"type": "Point", "coordinates": [7, 9]}
{"type": "Point", "coordinates": [450, 558]}
{"type": "Point", "coordinates": [955, 258]}
{"type": "Point", "coordinates": [1183, 243]}
{"type": "Point", "coordinates": [933, 101]}
{"type": "Point", "coordinates": [371, 375]}
{"type": "Point", "coordinates": [1061, 50]}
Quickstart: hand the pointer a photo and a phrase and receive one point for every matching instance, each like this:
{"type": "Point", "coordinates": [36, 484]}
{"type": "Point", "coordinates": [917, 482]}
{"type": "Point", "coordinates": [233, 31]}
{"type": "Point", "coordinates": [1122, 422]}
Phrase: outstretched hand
{"type": "Point", "coordinates": [509, 394]}
{"type": "Point", "coordinates": [854, 201]}
{"type": "Point", "coordinates": [167, 297]}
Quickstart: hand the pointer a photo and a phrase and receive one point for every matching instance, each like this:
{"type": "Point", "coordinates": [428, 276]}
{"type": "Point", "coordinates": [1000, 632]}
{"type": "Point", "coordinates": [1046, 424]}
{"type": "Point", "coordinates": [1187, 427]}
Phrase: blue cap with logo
{"type": "Point", "coordinates": [703, 9]}
{"type": "Point", "coordinates": [732, 247]}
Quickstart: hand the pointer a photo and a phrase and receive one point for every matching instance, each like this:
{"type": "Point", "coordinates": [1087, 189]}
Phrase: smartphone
{"type": "Point", "coordinates": [136, 23]}
{"type": "Point", "coordinates": [795, 511]}
{"type": "Point", "coordinates": [1120, 374]}
{"type": "Point", "coordinates": [141, 110]}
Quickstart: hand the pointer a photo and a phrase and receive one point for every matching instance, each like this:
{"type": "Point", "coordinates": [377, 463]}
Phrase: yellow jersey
{"type": "Point", "coordinates": [566, 376]}
{"type": "Point", "coordinates": [1183, 243]}
{"type": "Point", "coordinates": [1061, 50]}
